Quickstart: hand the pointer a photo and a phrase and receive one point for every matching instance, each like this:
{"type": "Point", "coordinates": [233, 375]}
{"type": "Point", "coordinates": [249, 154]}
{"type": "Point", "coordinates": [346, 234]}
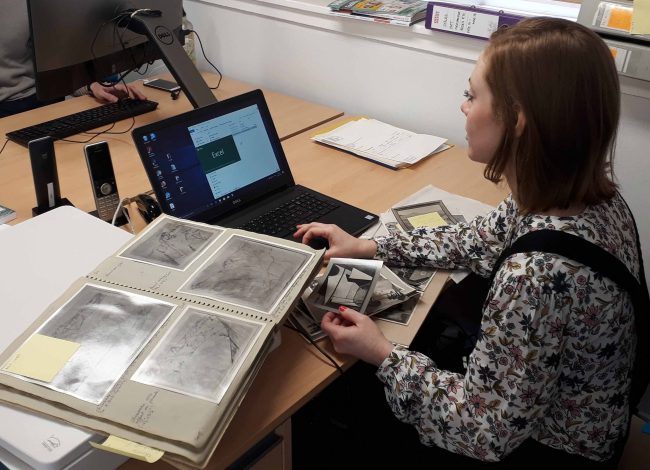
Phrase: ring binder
{"type": "Point", "coordinates": [147, 287]}
{"type": "Point", "coordinates": [467, 20]}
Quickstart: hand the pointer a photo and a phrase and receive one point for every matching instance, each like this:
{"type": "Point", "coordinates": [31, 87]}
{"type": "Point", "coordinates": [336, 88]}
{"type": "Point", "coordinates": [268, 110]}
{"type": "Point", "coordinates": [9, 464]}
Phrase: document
{"type": "Point", "coordinates": [382, 143]}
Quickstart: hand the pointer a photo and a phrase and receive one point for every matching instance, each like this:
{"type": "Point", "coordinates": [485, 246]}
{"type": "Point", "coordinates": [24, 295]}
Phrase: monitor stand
{"type": "Point", "coordinates": [38, 210]}
{"type": "Point", "coordinates": [178, 62]}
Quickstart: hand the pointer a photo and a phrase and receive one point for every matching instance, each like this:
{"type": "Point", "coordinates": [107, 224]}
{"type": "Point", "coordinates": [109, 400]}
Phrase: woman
{"type": "Point", "coordinates": [550, 370]}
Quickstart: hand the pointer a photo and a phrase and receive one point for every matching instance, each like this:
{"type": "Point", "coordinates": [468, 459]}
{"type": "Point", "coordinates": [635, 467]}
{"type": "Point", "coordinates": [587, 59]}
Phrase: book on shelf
{"type": "Point", "coordinates": [399, 12]}
{"type": "Point", "coordinates": [160, 342]}
{"type": "Point", "coordinates": [380, 143]}
{"type": "Point", "coordinates": [6, 214]}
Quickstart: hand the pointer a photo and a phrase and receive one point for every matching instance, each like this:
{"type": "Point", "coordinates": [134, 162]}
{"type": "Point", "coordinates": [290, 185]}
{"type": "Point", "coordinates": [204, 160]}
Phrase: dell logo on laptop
{"type": "Point", "coordinates": [236, 201]}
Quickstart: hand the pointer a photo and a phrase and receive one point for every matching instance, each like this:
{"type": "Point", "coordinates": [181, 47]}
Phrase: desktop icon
{"type": "Point", "coordinates": [168, 195]}
{"type": "Point", "coordinates": [173, 167]}
{"type": "Point", "coordinates": [144, 138]}
{"type": "Point", "coordinates": [152, 136]}
{"type": "Point", "coordinates": [172, 206]}
{"type": "Point", "coordinates": [163, 184]}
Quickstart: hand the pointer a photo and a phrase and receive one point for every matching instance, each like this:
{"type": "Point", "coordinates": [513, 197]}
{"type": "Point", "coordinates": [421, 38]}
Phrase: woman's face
{"type": "Point", "coordinates": [484, 131]}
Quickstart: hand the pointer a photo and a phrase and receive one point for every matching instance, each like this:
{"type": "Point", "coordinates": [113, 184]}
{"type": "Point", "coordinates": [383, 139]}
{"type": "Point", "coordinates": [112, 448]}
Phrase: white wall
{"type": "Point", "coordinates": [409, 77]}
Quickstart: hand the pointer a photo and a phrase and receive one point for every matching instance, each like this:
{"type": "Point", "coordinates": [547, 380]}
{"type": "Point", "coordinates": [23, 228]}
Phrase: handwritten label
{"type": "Point", "coordinates": [160, 281]}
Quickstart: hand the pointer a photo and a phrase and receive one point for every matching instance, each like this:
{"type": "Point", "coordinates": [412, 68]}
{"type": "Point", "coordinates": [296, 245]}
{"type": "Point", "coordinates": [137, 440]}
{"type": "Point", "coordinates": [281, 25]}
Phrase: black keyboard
{"type": "Point", "coordinates": [72, 124]}
{"type": "Point", "coordinates": [282, 220]}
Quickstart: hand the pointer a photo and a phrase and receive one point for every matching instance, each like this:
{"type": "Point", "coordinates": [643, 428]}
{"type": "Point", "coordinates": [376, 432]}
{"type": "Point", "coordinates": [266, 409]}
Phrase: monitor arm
{"type": "Point", "coordinates": [148, 22]}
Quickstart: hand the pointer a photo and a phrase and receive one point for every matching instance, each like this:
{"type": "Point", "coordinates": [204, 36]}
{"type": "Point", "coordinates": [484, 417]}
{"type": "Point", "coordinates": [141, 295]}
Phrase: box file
{"type": "Point", "coordinates": [467, 20]}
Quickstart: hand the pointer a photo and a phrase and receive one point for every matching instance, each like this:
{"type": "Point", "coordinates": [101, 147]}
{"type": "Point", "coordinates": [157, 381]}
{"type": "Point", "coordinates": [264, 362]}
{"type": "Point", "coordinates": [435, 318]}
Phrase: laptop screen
{"type": "Point", "coordinates": [206, 162]}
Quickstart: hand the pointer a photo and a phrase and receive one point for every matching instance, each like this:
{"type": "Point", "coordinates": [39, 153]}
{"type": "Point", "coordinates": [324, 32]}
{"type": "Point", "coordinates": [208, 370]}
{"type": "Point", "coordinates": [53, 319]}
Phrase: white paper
{"type": "Point", "coordinates": [382, 142]}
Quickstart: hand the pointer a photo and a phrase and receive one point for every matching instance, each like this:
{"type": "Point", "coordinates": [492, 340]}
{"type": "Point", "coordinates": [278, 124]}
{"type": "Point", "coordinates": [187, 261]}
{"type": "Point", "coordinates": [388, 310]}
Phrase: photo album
{"type": "Point", "coordinates": [160, 342]}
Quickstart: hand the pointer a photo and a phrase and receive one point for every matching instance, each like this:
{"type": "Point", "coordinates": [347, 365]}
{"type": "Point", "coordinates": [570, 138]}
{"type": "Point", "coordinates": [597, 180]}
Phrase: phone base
{"type": "Point", "coordinates": [121, 220]}
{"type": "Point", "coordinates": [38, 210]}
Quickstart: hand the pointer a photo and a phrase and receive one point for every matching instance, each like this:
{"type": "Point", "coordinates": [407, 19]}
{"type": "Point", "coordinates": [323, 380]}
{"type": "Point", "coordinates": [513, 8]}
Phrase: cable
{"type": "Point", "coordinates": [97, 134]}
{"type": "Point", "coordinates": [142, 10]}
{"type": "Point", "coordinates": [122, 207]}
{"type": "Point", "coordinates": [188, 31]}
{"type": "Point", "coordinates": [4, 145]}
{"type": "Point", "coordinates": [313, 343]}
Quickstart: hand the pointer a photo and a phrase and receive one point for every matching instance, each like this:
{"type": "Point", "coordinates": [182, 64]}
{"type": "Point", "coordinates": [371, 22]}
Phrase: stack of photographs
{"type": "Point", "coordinates": [385, 294]}
{"type": "Point", "coordinates": [347, 282]}
{"type": "Point", "coordinates": [391, 299]}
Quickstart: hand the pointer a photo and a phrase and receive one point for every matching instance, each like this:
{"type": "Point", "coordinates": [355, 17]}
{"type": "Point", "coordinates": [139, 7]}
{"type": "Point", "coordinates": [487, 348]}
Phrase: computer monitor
{"type": "Point", "coordinates": [77, 42]}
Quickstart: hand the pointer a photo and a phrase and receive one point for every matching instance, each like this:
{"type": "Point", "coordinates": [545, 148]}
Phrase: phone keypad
{"type": "Point", "coordinates": [106, 206]}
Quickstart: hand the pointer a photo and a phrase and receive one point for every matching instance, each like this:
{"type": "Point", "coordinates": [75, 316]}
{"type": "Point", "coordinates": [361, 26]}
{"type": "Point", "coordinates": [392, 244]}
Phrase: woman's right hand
{"type": "Point", "coordinates": [341, 243]}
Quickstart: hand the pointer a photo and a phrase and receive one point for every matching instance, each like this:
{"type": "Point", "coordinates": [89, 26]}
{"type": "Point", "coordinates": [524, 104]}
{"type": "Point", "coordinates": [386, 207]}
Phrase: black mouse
{"type": "Point", "coordinates": [318, 243]}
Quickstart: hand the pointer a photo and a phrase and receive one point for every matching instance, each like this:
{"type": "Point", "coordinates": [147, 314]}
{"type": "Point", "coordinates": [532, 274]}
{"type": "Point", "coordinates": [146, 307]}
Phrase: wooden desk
{"type": "Point", "coordinates": [295, 372]}
{"type": "Point", "coordinates": [290, 115]}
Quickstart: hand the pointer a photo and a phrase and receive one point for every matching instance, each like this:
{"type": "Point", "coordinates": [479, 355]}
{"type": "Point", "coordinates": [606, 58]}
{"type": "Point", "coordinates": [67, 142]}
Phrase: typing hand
{"type": "Point", "coordinates": [341, 243]}
{"type": "Point", "coordinates": [113, 93]}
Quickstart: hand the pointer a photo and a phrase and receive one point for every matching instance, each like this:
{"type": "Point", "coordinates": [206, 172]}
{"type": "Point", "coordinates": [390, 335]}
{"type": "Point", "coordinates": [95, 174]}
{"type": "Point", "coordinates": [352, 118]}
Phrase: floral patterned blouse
{"type": "Point", "coordinates": [557, 340]}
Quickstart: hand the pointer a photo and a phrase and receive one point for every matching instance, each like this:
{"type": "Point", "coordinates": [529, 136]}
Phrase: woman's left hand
{"type": "Point", "coordinates": [114, 93]}
{"type": "Point", "coordinates": [357, 335]}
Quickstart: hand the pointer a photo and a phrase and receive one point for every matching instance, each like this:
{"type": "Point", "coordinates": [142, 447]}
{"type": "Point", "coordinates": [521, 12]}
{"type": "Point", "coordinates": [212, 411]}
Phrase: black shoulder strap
{"type": "Point", "coordinates": [608, 265]}
{"type": "Point", "coordinates": [576, 249]}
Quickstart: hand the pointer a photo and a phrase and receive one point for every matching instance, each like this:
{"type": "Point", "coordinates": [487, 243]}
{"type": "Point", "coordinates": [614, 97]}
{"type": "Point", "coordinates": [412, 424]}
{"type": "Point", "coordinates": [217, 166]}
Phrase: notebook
{"type": "Point", "coordinates": [223, 164]}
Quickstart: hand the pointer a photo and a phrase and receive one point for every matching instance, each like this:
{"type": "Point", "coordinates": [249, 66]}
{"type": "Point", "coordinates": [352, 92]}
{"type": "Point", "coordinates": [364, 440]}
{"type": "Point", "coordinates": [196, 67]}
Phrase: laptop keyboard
{"type": "Point", "coordinates": [282, 220]}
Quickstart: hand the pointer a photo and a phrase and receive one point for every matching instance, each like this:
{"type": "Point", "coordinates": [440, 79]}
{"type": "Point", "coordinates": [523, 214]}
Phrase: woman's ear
{"type": "Point", "coordinates": [520, 125]}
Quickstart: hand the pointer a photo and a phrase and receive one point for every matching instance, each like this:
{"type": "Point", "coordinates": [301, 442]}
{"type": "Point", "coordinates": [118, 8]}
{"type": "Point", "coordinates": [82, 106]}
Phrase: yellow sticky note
{"type": "Point", "coordinates": [41, 357]}
{"type": "Point", "coordinates": [641, 17]}
{"type": "Point", "coordinates": [130, 449]}
{"type": "Point", "coordinates": [432, 219]}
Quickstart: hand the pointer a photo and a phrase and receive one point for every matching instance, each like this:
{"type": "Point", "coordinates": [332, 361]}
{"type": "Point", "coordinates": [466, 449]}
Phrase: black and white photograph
{"type": "Point", "coordinates": [112, 327]}
{"type": "Point", "coordinates": [310, 297]}
{"type": "Point", "coordinates": [347, 282]}
{"type": "Point", "coordinates": [416, 277]}
{"type": "Point", "coordinates": [400, 313]}
{"type": "Point", "coordinates": [390, 290]}
{"type": "Point", "coordinates": [247, 272]}
{"type": "Point", "coordinates": [308, 326]}
{"type": "Point", "coordinates": [172, 243]}
{"type": "Point", "coordinates": [394, 229]}
{"type": "Point", "coordinates": [430, 214]}
{"type": "Point", "coordinates": [200, 354]}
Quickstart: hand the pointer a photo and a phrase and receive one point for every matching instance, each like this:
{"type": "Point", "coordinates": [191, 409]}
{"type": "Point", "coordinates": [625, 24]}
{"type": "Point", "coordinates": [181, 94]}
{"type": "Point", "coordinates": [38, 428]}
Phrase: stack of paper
{"type": "Point", "coordinates": [382, 143]}
{"type": "Point", "coordinates": [399, 12]}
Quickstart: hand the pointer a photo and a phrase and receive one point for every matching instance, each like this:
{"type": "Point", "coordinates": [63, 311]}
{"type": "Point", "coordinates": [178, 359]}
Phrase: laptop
{"type": "Point", "coordinates": [223, 164]}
